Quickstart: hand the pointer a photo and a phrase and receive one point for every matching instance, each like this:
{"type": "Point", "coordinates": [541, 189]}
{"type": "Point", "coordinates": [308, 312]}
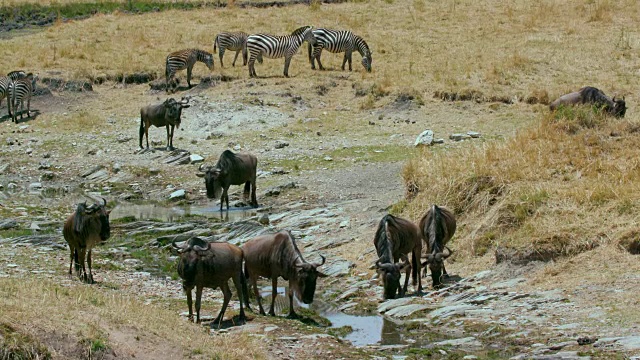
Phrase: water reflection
{"type": "Point", "coordinates": [173, 213]}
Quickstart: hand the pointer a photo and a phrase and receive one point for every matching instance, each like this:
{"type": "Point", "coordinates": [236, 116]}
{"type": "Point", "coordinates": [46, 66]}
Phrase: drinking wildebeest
{"type": "Point", "coordinates": [204, 264]}
{"type": "Point", "coordinates": [395, 237]}
{"type": "Point", "coordinates": [275, 255]}
{"type": "Point", "coordinates": [591, 95]}
{"type": "Point", "coordinates": [86, 227]}
{"type": "Point", "coordinates": [231, 169]}
{"type": "Point", "coordinates": [165, 114]}
{"type": "Point", "coordinates": [438, 226]}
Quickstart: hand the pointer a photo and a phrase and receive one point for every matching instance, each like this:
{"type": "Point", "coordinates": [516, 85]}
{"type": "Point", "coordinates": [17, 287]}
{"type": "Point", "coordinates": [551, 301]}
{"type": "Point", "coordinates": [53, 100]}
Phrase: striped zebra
{"type": "Point", "coordinates": [273, 47]}
{"type": "Point", "coordinates": [5, 81]}
{"type": "Point", "coordinates": [233, 41]}
{"type": "Point", "coordinates": [185, 59]}
{"type": "Point", "coordinates": [337, 41]}
{"type": "Point", "coordinates": [19, 91]}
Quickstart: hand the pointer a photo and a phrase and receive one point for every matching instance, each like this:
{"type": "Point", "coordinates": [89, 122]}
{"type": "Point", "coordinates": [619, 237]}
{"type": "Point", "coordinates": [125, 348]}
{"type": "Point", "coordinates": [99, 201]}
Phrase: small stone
{"type": "Point", "coordinates": [48, 175]}
{"type": "Point", "coordinates": [44, 165]}
{"type": "Point", "coordinates": [34, 227]}
{"type": "Point", "coordinates": [92, 151]}
{"type": "Point", "coordinates": [473, 134]}
{"type": "Point", "coordinates": [425, 138]}
{"type": "Point", "coordinates": [319, 133]}
{"type": "Point", "coordinates": [264, 219]}
{"type": "Point", "coordinates": [10, 141]}
{"type": "Point", "coordinates": [35, 186]}
{"type": "Point", "coordinates": [195, 158]}
{"type": "Point", "coordinates": [458, 137]}
{"type": "Point", "coordinates": [281, 144]}
{"type": "Point", "coordinates": [237, 147]}
{"type": "Point", "coordinates": [328, 158]}
{"type": "Point", "coordinates": [194, 141]}
{"type": "Point", "coordinates": [116, 168]}
{"type": "Point", "coordinates": [154, 171]}
{"type": "Point", "coordinates": [123, 138]}
{"type": "Point", "coordinates": [46, 155]}
{"type": "Point", "coordinates": [438, 141]}
{"type": "Point", "coordinates": [178, 194]}
{"type": "Point", "coordinates": [29, 150]}
{"type": "Point", "coordinates": [270, 328]}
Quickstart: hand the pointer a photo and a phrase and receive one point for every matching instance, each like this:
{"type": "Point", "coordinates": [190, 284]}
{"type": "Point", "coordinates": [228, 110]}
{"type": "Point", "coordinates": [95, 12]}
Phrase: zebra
{"type": "Point", "coordinates": [273, 47]}
{"type": "Point", "coordinates": [185, 59]}
{"type": "Point", "coordinates": [234, 41]}
{"type": "Point", "coordinates": [337, 41]}
{"type": "Point", "coordinates": [20, 90]}
{"type": "Point", "coordinates": [5, 81]}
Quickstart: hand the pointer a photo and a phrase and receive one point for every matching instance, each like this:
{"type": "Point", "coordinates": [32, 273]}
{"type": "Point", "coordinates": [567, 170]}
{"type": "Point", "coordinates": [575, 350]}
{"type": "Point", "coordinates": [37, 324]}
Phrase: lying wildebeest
{"type": "Point", "coordinates": [591, 95]}
{"type": "Point", "coordinates": [395, 237]}
{"type": "Point", "coordinates": [164, 114]}
{"type": "Point", "coordinates": [204, 264]}
{"type": "Point", "coordinates": [86, 227]}
{"type": "Point", "coordinates": [438, 226]}
{"type": "Point", "coordinates": [231, 169]}
{"type": "Point", "coordinates": [276, 255]}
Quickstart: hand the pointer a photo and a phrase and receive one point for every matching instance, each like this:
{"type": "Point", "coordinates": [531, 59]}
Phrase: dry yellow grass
{"type": "Point", "coordinates": [92, 315]}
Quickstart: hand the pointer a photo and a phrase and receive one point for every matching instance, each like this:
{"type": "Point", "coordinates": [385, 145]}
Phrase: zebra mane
{"type": "Point", "coordinates": [301, 30]}
{"type": "Point", "coordinates": [362, 46]}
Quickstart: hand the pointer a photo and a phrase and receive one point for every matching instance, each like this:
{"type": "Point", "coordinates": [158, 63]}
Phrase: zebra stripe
{"type": "Point", "coordinates": [17, 74]}
{"type": "Point", "coordinates": [20, 90]}
{"type": "Point", "coordinates": [233, 41]}
{"type": "Point", "coordinates": [273, 47]}
{"type": "Point", "coordinates": [337, 41]}
{"type": "Point", "coordinates": [5, 82]}
{"type": "Point", "coordinates": [186, 59]}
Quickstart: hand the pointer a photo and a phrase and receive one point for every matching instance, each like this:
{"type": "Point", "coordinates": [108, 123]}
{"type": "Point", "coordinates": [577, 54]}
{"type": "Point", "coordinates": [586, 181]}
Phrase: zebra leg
{"type": "Point", "coordinates": [287, 61]}
{"type": "Point", "coordinates": [221, 54]}
{"type": "Point", "coordinates": [252, 67]}
{"type": "Point", "coordinates": [235, 58]}
{"type": "Point", "coordinates": [189, 68]}
{"type": "Point", "coordinates": [29, 106]}
{"type": "Point", "coordinates": [318, 58]}
{"type": "Point", "coordinates": [344, 60]}
{"type": "Point", "coordinates": [21, 108]}
{"type": "Point", "coordinates": [349, 57]}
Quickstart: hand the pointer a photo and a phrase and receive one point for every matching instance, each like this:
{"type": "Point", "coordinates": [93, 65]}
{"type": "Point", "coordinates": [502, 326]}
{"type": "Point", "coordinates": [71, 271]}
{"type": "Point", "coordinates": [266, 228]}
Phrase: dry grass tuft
{"type": "Point", "coordinates": [92, 319]}
{"type": "Point", "coordinates": [564, 186]}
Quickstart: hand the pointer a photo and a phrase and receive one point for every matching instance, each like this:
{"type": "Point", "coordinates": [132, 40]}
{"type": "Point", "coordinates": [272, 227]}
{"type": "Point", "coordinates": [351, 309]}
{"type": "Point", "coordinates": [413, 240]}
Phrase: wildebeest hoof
{"type": "Point", "coordinates": [293, 315]}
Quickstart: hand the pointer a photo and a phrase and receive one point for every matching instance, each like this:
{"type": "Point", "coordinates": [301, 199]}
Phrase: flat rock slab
{"type": "Point", "coordinates": [627, 343]}
{"type": "Point", "coordinates": [448, 311]}
{"type": "Point", "coordinates": [8, 224]}
{"type": "Point", "coordinates": [391, 304]}
{"type": "Point", "coordinates": [338, 268]}
{"type": "Point", "coordinates": [406, 310]}
{"type": "Point", "coordinates": [464, 342]}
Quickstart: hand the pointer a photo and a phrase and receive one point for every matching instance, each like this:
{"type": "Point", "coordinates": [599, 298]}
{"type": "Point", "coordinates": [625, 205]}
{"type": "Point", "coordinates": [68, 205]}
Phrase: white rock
{"type": "Point", "coordinates": [195, 158]}
{"type": "Point", "coordinates": [178, 194]}
{"type": "Point", "coordinates": [425, 138]}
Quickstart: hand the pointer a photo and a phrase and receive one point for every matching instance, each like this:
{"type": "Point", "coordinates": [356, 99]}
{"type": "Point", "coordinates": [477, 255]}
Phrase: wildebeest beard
{"type": "Point", "coordinates": [214, 188]}
{"type": "Point", "coordinates": [105, 229]}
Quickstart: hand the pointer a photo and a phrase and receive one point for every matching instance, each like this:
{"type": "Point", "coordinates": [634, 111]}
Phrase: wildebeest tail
{"type": "Point", "coordinates": [436, 231]}
{"type": "Point", "coordinates": [243, 281]}
{"type": "Point", "coordinates": [141, 128]}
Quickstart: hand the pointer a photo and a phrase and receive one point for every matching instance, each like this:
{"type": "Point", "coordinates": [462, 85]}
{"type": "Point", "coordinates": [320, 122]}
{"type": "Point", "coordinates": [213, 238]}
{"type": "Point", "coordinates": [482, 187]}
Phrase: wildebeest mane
{"type": "Point", "coordinates": [382, 241]}
{"type": "Point", "coordinates": [594, 95]}
{"type": "Point", "coordinates": [291, 252]}
{"type": "Point", "coordinates": [435, 229]}
{"type": "Point", "coordinates": [228, 161]}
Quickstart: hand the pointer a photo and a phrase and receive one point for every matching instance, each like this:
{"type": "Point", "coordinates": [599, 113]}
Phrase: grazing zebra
{"type": "Point", "coordinates": [233, 41]}
{"type": "Point", "coordinates": [20, 90]}
{"type": "Point", "coordinates": [336, 42]}
{"type": "Point", "coordinates": [274, 47]}
{"type": "Point", "coordinates": [5, 81]}
{"type": "Point", "coordinates": [185, 59]}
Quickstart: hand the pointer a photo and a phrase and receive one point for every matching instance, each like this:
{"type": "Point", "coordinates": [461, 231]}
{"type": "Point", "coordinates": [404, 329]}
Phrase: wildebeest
{"type": "Point", "coordinates": [275, 255]}
{"type": "Point", "coordinates": [438, 226]}
{"type": "Point", "coordinates": [85, 228]}
{"type": "Point", "coordinates": [595, 96]}
{"type": "Point", "coordinates": [231, 169]}
{"type": "Point", "coordinates": [165, 114]}
{"type": "Point", "coordinates": [204, 264]}
{"type": "Point", "coordinates": [395, 237]}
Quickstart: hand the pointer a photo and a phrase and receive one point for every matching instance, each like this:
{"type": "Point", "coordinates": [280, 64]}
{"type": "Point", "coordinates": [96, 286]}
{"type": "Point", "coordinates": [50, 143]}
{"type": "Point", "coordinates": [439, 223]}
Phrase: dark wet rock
{"type": "Point", "coordinates": [280, 144]}
{"type": "Point", "coordinates": [8, 224]}
{"type": "Point", "coordinates": [264, 219]}
{"type": "Point", "coordinates": [586, 340]}
{"type": "Point", "coordinates": [275, 191]}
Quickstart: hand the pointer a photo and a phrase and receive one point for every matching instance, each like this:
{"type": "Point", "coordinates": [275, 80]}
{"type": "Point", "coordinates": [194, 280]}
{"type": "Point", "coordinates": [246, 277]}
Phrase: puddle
{"type": "Point", "coordinates": [170, 214]}
{"type": "Point", "coordinates": [366, 329]}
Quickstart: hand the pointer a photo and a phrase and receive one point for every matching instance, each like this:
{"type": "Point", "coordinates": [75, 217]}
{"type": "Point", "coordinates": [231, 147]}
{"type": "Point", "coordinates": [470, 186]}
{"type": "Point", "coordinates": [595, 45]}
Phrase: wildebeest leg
{"type": "Point", "coordinates": [146, 134]}
{"type": "Point", "coordinates": [254, 201]}
{"type": "Point", "coordinates": [81, 255]}
{"type": "Point", "coordinates": [415, 269]}
{"type": "Point", "coordinates": [407, 275]}
{"type": "Point", "coordinates": [71, 249]}
{"type": "Point", "coordinates": [170, 137]}
{"type": "Point", "coordinates": [225, 302]}
{"type": "Point", "coordinates": [225, 196]}
{"type": "Point", "coordinates": [254, 283]}
{"type": "Point", "coordinates": [245, 193]}
{"type": "Point", "coordinates": [274, 293]}
{"type": "Point", "coordinates": [292, 314]}
{"type": "Point", "coordinates": [90, 278]}
{"type": "Point", "coordinates": [198, 298]}
{"type": "Point", "coordinates": [240, 283]}
{"type": "Point", "coordinates": [188, 291]}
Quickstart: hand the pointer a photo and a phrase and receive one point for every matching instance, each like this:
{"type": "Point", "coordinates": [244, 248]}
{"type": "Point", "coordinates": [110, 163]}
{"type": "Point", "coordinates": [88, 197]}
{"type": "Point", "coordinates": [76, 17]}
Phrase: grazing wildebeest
{"type": "Point", "coordinates": [438, 226]}
{"type": "Point", "coordinates": [396, 237]}
{"type": "Point", "coordinates": [204, 264]}
{"type": "Point", "coordinates": [165, 114]}
{"type": "Point", "coordinates": [591, 95]}
{"type": "Point", "coordinates": [86, 227]}
{"type": "Point", "coordinates": [231, 169]}
{"type": "Point", "coordinates": [275, 255]}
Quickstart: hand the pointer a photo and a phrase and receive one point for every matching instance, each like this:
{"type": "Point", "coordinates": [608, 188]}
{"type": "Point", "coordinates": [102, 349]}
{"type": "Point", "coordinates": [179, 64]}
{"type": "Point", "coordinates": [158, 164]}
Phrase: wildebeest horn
{"type": "Point", "coordinates": [200, 248]}
{"type": "Point", "coordinates": [449, 252]}
{"type": "Point", "coordinates": [180, 249]}
{"type": "Point", "coordinates": [185, 99]}
{"type": "Point", "coordinates": [104, 202]}
{"type": "Point", "coordinates": [322, 263]}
